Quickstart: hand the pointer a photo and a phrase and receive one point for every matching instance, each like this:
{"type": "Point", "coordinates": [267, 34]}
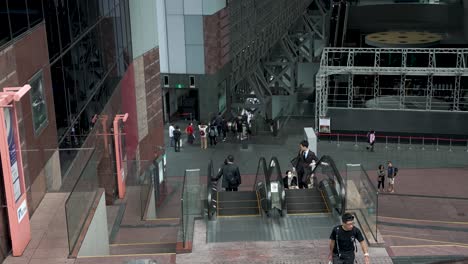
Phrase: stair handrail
{"type": "Point", "coordinates": [340, 192]}
{"type": "Point", "coordinates": [261, 185]}
{"type": "Point", "coordinates": [275, 170]}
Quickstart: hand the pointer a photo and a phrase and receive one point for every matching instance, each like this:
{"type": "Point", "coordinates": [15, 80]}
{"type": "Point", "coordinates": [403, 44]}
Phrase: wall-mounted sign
{"type": "Point", "coordinates": [324, 125]}
{"type": "Point", "coordinates": [22, 211]}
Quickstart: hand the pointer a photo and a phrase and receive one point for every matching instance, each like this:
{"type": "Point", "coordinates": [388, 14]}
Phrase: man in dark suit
{"type": "Point", "coordinates": [230, 171]}
{"type": "Point", "coordinates": [304, 159]}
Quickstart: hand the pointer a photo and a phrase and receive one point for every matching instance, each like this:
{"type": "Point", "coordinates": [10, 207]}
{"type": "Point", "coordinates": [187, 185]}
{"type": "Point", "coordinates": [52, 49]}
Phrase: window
{"type": "Point", "coordinates": [39, 108]}
{"type": "Point", "coordinates": [35, 13]}
{"type": "Point", "coordinates": [18, 16]}
{"type": "Point", "coordinates": [5, 35]}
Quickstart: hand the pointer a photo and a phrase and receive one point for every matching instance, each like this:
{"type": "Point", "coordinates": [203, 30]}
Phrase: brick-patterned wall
{"type": "Point", "coordinates": [149, 145]}
{"type": "Point", "coordinates": [216, 36]}
{"type": "Point", "coordinates": [19, 62]}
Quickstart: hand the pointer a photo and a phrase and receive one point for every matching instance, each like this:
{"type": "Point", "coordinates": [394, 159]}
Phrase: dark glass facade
{"type": "Point", "coordinates": [90, 49]}
{"type": "Point", "coordinates": [18, 16]}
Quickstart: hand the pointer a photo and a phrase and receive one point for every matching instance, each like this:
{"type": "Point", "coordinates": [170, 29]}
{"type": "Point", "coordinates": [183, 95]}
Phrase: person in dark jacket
{"type": "Point", "coordinates": [304, 159]}
{"type": "Point", "coordinates": [231, 175]}
{"type": "Point", "coordinates": [290, 181]}
{"type": "Point", "coordinates": [177, 135]}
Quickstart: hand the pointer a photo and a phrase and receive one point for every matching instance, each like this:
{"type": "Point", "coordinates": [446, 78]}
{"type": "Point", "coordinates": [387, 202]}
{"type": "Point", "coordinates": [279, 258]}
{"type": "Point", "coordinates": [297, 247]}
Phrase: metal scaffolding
{"type": "Point", "coordinates": [268, 39]}
{"type": "Point", "coordinates": [405, 64]}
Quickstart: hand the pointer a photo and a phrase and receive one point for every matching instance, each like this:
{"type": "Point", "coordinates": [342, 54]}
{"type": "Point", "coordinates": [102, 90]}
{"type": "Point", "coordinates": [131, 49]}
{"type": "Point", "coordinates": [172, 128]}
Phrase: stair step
{"type": "Point", "coordinates": [238, 204]}
{"type": "Point", "coordinates": [238, 211]}
{"type": "Point", "coordinates": [303, 193]}
{"type": "Point", "coordinates": [142, 248]}
{"type": "Point", "coordinates": [237, 196]}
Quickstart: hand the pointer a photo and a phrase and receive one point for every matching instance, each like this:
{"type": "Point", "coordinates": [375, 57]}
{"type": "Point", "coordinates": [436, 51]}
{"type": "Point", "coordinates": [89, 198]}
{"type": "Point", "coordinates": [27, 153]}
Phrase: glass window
{"type": "Point", "coordinates": [53, 36]}
{"type": "Point", "coordinates": [35, 12]}
{"type": "Point", "coordinates": [38, 102]}
{"type": "Point", "coordinates": [64, 24]}
{"type": "Point", "coordinates": [84, 19]}
{"type": "Point", "coordinates": [18, 16]}
{"type": "Point", "coordinates": [5, 35]}
{"type": "Point", "coordinates": [60, 98]}
{"type": "Point", "coordinates": [74, 15]}
{"type": "Point", "coordinates": [92, 13]}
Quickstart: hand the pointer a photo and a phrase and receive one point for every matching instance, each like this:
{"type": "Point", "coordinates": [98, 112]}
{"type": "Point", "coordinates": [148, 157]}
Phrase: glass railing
{"type": "Point", "coordinates": [81, 200]}
{"type": "Point", "coordinates": [190, 204]}
{"type": "Point", "coordinates": [330, 181]}
{"type": "Point", "coordinates": [262, 185]}
{"type": "Point", "coordinates": [274, 174]}
{"type": "Point", "coordinates": [140, 177]}
{"type": "Point", "coordinates": [362, 199]}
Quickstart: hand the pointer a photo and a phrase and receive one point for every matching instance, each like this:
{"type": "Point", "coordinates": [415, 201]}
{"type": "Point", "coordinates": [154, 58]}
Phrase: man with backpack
{"type": "Point", "coordinates": [231, 175]}
{"type": "Point", "coordinates": [391, 175]}
{"type": "Point", "coordinates": [343, 242]}
{"type": "Point", "coordinates": [213, 133]}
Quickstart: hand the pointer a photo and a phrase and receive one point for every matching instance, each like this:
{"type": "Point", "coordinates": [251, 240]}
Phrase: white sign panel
{"type": "Point", "coordinates": [324, 125]}
{"type": "Point", "coordinates": [274, 187]}
{"type": "Point", "coordinates": [22, 211]}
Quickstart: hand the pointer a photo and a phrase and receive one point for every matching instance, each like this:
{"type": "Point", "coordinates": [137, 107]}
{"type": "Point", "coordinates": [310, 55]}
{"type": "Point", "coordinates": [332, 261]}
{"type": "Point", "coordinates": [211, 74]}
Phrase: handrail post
{"type": "Point", "coordinates": [423, 144]}
{"type": "Point", "coordinates": [437, 144]}
{"type": "Point", "coordinates": [398, 145]}
{"type": "Point", "coordinates": [338, 140]}
{"type": "Point", "coordinates": [355, 141]}
{"type": "Point", "coordinates": [410, 146]}
{"type": "Point", "coordinates": [386, 142]}
{"type": "Point", "coordinates": [450, 146]}
{"type": "Point", "coordinates": [467, 146]}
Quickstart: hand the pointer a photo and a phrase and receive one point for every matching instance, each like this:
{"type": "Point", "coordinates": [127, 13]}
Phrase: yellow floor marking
{"type": "Point", "coordinates": [428, 240]}
{"type": "Point", "coordinates": [420, 220]}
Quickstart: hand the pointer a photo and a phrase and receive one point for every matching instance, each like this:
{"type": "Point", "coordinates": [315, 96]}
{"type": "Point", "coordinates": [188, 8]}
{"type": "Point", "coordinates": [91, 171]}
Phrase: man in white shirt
{"type": "Point", "coordinates": [171, 134]}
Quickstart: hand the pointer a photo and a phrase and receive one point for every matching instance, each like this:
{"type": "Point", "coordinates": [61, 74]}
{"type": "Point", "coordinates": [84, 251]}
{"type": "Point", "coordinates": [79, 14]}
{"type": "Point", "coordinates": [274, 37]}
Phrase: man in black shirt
{"type": "Point", "coordinates": [342, 242]}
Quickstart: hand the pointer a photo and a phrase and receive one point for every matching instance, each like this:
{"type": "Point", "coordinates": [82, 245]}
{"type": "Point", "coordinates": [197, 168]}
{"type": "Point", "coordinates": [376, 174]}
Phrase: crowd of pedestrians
{"type": "Point", "coordinates": [212, 133]}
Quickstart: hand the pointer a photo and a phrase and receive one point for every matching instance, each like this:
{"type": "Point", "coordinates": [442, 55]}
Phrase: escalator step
{"type": "Point", "coordinates": [237, 204]}
{"type": "Point", "coordinates": [302, 193]}
{"type": "Point", "coordinates": [237, 196]}
{"type": "Point", "coordinates": [238, 211]}
{"type": "Point", "coordinates": [317, 206]}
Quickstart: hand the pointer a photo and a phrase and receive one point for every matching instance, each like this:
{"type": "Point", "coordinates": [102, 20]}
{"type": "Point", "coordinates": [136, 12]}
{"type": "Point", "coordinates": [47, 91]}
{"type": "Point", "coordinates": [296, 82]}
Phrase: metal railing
{"type": "Point", "coordinates": [425, 142]}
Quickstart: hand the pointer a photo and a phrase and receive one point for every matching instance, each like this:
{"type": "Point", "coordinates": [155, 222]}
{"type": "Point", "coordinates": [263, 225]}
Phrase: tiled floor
{"type": "Point", "coordinates": [49, 241]}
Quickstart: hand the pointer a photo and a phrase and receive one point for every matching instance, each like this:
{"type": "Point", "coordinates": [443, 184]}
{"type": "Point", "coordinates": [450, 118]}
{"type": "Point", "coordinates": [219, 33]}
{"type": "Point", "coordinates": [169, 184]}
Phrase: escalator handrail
{"type": "Point", "coordinates": [262, 169]}
{"type": "Point", "coordinates": [212, 190]}
{"type": "Point", "coordinates": [261, 165]}
{"type": "Point", "coordinates": [328, 160]}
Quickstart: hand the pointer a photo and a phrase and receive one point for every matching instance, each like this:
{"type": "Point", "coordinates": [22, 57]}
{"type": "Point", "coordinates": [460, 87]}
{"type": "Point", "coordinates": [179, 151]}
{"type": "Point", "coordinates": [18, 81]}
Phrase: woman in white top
{"type": "Point", "coordinates": [203, 141]}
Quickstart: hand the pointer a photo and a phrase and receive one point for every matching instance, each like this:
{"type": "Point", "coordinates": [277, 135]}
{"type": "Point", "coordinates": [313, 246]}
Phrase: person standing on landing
{"type": "Point", "coordinates": [171, 134]}
{"type": "Point", "coordinates": [381, 178]}
{"type": "Point", "coordinates": [391, 174]}
{"type": "Point", "coordinates": [203, 130]}
{"type": "Point", "coordinates": [343, 242]}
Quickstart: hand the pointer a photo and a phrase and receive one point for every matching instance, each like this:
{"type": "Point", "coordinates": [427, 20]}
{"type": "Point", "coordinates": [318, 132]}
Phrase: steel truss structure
{"type": "Point", "coordinates": [422, 62]}
{"type": "Point", "coordinates": [268, 39]}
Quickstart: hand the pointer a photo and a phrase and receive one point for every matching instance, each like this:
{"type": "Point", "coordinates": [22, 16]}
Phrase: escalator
{"type": "Point", "coordinates": [326, 197]}
{"type": "Point", "coordinates": [306, 201]}
{"type": "Point", "coordinates": [242, 203]}
{"type": "Point", "coordinates": [268, 195]}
